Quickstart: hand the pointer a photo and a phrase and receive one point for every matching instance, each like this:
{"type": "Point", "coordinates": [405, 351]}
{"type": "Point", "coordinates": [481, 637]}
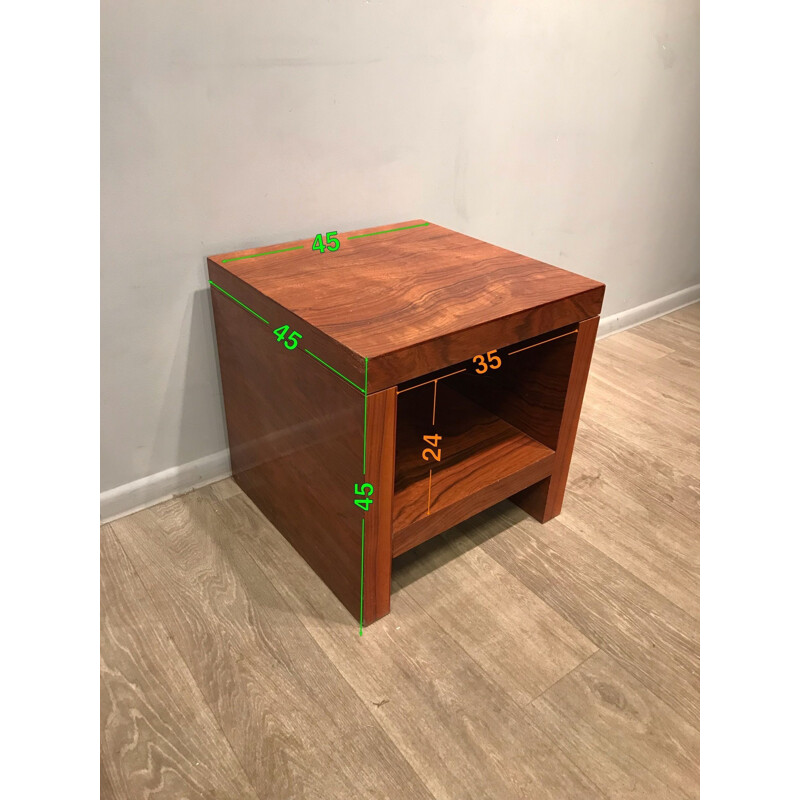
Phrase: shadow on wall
{"type": "Point", "coordinates": [193, 386]}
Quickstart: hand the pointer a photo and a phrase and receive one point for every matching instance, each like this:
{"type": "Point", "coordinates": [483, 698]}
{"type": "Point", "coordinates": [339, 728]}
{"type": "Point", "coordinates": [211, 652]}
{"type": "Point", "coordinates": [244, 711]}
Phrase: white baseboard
{"type": "Point", "coordinates": [647, 311]}
{"type": "Point", "coordinates": [161, 486]}
{"type": "Point", "coordinates": [156, 488]}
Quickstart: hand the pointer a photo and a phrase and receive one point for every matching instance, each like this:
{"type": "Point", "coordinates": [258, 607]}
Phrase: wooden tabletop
{"type": "Point", "coordinates": [411, 296]}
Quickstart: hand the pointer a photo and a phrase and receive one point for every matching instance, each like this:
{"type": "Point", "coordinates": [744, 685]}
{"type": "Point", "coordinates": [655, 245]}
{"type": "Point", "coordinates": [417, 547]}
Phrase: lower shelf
{"type": "Point", "coordinates": [484, 459]}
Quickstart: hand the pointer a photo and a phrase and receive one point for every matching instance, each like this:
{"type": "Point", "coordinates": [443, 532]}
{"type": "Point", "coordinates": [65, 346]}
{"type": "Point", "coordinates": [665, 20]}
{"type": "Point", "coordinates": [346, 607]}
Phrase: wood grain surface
{"type": "Point", "coordinates": [477, 450]}
{"type": "Point", "coordinates": [294, 359]}
{"type": "Point", "coordinates": [544, 500]}
{"type": "Point", "coordinates": [296, 437]}
{"type": "Point", "coordinates": [410, 300]}
{"type": "Point", "coordinates": [516, 638]}
{"type": "Point", "coordinates": [657, 639]}
{"type": "Point", "coordinates": [159, 737]}
{"type": "Point", "coordinates": [295, 725]}
{"type": "Point", "coordinates": [520, 660]}
{"type": "Point", "coordinates": [379, 458]}
{"type": "Point", "coordinates": [643, 515]}
{"type": "Point", "coordinates": [442, 711]}
{"type": "Point", "coordinates": [530, 387]}
{"type": "Point", "coordinates": [629, 741]}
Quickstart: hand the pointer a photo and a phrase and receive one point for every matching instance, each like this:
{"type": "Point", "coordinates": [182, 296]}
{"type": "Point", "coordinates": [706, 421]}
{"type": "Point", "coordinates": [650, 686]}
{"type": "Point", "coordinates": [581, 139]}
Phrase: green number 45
{"type": "Point", "coordinates": [364, 501]}
{"type": "Point", "coordinates": [332, 242]}
{"type": "Point", "coordinates": [280, 335]}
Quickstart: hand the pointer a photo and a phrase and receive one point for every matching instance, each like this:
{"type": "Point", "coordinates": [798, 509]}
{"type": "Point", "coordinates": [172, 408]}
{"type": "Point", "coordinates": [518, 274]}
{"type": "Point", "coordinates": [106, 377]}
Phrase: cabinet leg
{"type": "Point", "coordinates": [543, 500]}
{"type": "Point", "coordinates": [381, 413]}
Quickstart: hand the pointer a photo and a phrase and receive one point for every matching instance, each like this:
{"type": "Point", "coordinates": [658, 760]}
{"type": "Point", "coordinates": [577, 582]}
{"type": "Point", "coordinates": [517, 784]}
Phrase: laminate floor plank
{"type": "Point", "coordinates": [632, 347]}
{"type": "Point", "coordinates": [673, 332]}
{"type": "Point", "coordinates": [659, 358]}
{"type": "Point", "coordinates": [107, 789]}
{"type": "Point", "coordinates": [292, 720]}
{"type": "Point", "coordinates": [666, 413]}
{"type": "Point", "coordinates": [624, 498]}
{"type": "Point", "coordinates": [463, 734]}
{"type": "Point", "coordinates": [515, 637]}
{"type": "Point", "coordinates": [676, 440]}
{"type": "Point", "coordinates": [656, 640]}
{"type": "Point", "coordinates": [624, 518]}
{"type": "Point", "coordinates": [672, 379]}
{"type": "Point", "coordinates": [688, 316]}
{"type": "Point", "coordinates": [159, 739]}
{"type": "Point", "coordinates": [600, 449]}
{"type": "Point", "coordinates": [652, 556]}
{"type": "Point", "coordinates": [673, 403]}
{"type": "Point", "coordinates": [616, 730]}
{"type": "Point", "coordinates": [519, 660]}
{"type": "Point", "coordinates": [222, 490]}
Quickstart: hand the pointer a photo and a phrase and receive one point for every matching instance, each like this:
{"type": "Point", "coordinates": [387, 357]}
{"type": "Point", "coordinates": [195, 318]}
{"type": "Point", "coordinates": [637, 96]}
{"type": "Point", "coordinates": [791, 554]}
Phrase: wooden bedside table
{"type": "Point", "coordinates": [381, 390]}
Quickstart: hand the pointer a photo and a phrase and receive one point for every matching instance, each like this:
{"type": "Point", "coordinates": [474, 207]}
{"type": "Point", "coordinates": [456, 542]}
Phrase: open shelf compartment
{"type": "Point", "coordinates": [498, 434]}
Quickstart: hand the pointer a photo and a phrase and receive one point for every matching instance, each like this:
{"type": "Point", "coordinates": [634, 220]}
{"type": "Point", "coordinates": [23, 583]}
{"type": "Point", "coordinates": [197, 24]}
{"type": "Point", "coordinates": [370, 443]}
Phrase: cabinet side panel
{"type": "Point", "coordinates": [543, 501]}
{"type": "Point", "coordinates": [295, 431]}
{"type": "Point", "coordinates": [529, 390]}
{"type": "Point", "coordinates": [313, 340]}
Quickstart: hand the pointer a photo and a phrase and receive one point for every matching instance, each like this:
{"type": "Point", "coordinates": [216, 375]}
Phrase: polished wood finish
{"type": "Point", "coordinates": [544, 500]}
{"type": "Point", "coordinates": [484, 460]}
{"type": "Point", "coordinates": [411, 301]}
{"type": "Point", "coordinates": [472, 437]}
{"type": "Point", "coordinates": [528, 465]}
{"type": "Point", "coordinates": [520, 660]}
{"type": "Point", "coordinates": [315, 341]}
{"type": "Point", "coordinates": [380, 465]}
{"type": "Point", "coordinates": [296, 433]}
{"type": "Point", "coordinates": [393, 317]}
{"type": "Point", "coordinates": [529, 391]}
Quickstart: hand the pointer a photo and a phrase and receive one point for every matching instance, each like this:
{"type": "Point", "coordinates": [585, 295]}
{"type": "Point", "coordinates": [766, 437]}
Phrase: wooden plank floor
{"type": "Point", "coordinates": [519, 661]}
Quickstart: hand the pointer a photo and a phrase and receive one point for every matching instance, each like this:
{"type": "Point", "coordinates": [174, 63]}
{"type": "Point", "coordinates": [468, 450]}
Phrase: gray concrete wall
{"type": "Point", "coordinates": [563, 129]}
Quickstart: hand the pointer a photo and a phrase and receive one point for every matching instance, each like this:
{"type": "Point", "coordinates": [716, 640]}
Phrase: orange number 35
{"type": "Point", "coordinates": [491, 357]}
